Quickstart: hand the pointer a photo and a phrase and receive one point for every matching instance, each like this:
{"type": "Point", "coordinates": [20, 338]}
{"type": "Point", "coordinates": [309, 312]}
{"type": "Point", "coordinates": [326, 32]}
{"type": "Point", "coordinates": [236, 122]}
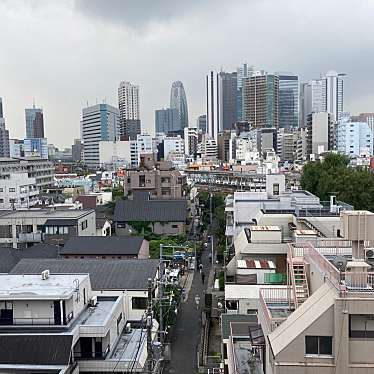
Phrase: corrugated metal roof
{"type": "Point", "coordinates": [102, 245]}
{"type": "Point", "coordinates": [35, 349]}
{"type": "Point", "coordinates": [104, 274]}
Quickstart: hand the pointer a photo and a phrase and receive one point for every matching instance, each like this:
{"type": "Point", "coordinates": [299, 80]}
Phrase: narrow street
{"type": "Point", "coordinates": [185, 339]}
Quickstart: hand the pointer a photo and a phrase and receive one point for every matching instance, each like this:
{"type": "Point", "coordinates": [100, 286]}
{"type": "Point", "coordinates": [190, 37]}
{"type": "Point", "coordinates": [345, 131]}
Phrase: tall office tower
{"type": "Point", "coordinates": [99, 122]}
{"type": "Point", "coordinates": [128, 104]}
{"type": "Point", "coordinates": [201, 124]}
{"type": "Point", "coordinates": [167, 121]}
{"type": "Point", "coordinates": [178, 101]}
{"type": "Point", "coordinates": [261, 100]}
{"type": "Point", "coordinates": [242, 72]}
{"type": "Point", "coordinates": [288, 100]}
{"type": "Point", "coordinates": [227, 100]}
{"type": "Point", "coordinates": [4, 134]}
{"type": "Point", "coordinates": [310, 99]}
{"type": "Point", "coordinates": [332, 94]}
{"type": "Point", "coordinates": [211, 105]}
{"type": "Point", "coordinates": [34, 123]}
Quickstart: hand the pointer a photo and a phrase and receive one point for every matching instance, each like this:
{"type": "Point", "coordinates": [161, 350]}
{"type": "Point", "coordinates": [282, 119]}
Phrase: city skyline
{"type": "Point", "coordinates": [84, 78]}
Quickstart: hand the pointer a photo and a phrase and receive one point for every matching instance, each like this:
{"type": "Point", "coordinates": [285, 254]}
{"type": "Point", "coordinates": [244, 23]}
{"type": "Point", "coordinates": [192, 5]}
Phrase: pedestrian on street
{"type": "Point", "coordinates": [202, 277]}
{"type": "Point", "coordinates": [197, 301]}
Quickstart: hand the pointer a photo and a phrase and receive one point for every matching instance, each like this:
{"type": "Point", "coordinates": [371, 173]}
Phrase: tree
{"type": "Point", "coordinates": [333, 176]}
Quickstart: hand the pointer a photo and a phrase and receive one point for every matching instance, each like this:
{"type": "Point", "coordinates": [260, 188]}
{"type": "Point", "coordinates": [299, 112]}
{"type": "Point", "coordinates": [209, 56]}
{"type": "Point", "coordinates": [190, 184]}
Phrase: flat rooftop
{"type": "Point", "coordinates": [264, 228]}
{"type": "Point", "coordinates": [246, 362]}
{"type": "Point", "coordinates": [33, 287]}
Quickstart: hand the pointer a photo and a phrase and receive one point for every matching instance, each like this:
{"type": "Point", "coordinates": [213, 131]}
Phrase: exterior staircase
{"type": "Point", "coordinates": [299, 281]}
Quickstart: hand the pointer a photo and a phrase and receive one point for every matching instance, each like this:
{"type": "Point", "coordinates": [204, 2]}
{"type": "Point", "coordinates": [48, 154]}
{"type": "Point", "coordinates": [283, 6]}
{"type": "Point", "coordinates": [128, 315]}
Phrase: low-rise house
{"type": "Point", "coordinates": [161, 216]}
{"type": "Point", "coordinates": [21, 228]}
{"type": "Point", "coordinates": [102, 247]}
{"type": "Point", "coordinates": [54, 323]}
{"type": "Point", "coordinates": [126, 278]}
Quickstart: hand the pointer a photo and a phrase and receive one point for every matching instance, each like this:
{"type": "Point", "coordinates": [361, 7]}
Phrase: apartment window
{"type": "Point", "coordinates": [1, 189]}
{"type": "Point", "coordinates": [139, 303]}
{"type": "Point", "coordinates": [1, 201]}
{"type": "Point", "coordinates": [141, 180]}
{"type": "Point", "coordinates": [174, 226]}
{"type": "Point", "coordinates": [84, 225]}
{"type": "Point", "coordinates": [361, 326]}
{"type": "Point", "coordinates": [276, 189]}
{"type": "Point", "coordinates": [318, 345]}
{"type": "Point", "coordinates": [12, 189]}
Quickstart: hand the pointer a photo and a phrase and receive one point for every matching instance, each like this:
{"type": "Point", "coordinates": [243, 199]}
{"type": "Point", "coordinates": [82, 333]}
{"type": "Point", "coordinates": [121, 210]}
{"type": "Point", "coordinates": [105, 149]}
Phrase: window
{"type": "Point", "coordinates": [174, 226]}
{"type": "Point", "coordinates": [84, 225]}
{"type": "Point", "coordinates": [1, 201]}
{"type": "Point", "coordinates": [139, 303]}
{"type": "Point", "coordinates": [276, 189]}
{"type": "Point", "coordinates": [361, 326]}
{"type": "Point", "coordinates": [1, 189]}
{"type": "Point", "coordinates": [141, 180]}
{"type": "Point", "coordinates": [318, 345]}
{"type": "Point", "coordinates": [12, 189]}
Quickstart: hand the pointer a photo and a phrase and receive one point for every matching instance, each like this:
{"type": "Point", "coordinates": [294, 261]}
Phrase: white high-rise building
{"type": "Point", "coordinates": [332, 94]}
{"type": "Point", "coordinates": [99, 122]}
{"type": "Point", "coordinates": [190, 141]}
{"type": "Point", "coordinates": [310, 99]}
{"type": "Point", "coordinates": [128, 104]}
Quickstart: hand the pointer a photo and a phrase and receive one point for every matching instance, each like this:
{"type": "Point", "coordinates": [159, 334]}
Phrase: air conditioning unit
{"type": "Point", "coordinates": [369, 253]}
{"type": "Point", "coordinates": [93, 301]}
{"type": "Point", "coordinates": [128, 328]}
{"type": "Point", "coordinates": [45, 274]}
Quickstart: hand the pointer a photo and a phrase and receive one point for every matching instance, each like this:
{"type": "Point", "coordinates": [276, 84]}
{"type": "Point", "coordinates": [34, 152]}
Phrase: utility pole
{"type": "Point", "coordinates": [161, 296]}
{"type": "Point", "coordinates": [149, 327]}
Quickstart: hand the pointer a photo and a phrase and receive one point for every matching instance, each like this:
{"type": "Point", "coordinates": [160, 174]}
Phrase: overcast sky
{"type": "Point", "coordinates": [66, 53]}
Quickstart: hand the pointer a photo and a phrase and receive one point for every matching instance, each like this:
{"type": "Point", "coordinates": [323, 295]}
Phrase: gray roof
{"type": "Point", "coordinates": [35, 349]}
{"type": "Point", "coordinates": [143, 209]}
{"type": "Point", "coordinates": [9, 257]}
{"type": "Point", "coordinates": [246, 319]}
{"type": "Point", "coordinates": [104, 274]}
{"type": "Point", "coordinates": [102, 245]}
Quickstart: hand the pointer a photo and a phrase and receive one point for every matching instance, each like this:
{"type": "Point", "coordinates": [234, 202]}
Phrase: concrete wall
{"type": "Point", "coordinates": [144, 250]}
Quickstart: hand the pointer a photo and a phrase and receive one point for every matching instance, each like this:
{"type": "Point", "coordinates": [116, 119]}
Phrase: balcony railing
{"type": "Point", "coordinates": [275, 304]}
{"type": "Point", "coordinates": [32, 237]}
{"type": "Point", "coordinates": [99, 355]}
{"type": "Point", "coordinates": [27, 321]}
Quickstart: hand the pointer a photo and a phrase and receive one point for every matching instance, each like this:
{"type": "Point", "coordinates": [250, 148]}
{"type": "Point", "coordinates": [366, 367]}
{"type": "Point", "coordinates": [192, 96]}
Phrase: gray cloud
{"type": "Point", "coordinates": [65, 53]}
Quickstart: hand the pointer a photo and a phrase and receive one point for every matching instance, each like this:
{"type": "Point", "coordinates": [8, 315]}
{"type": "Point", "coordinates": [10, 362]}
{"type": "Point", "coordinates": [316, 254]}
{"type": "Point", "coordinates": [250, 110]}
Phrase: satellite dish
{"type": "Point", "coordinates": [340, 262]}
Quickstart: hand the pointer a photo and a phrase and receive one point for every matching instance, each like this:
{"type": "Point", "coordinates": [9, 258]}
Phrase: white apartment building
{"type": "Point", "coordinates": [208, 149]}
{"type": "Point", "coordinates": [332, 94]}
{"type": "Point", "coordinates": [60, 324]}
{"type": "Point", "coordinates": [174, 145]}
{"type": "Point", "coordinates": [128, 100]}
{"type": "Point", "coordinates": [19, 191]}
{"type": "Point", "coordinates": [354, 138]}
{"type": "Point", "coordinates": [191, 137]}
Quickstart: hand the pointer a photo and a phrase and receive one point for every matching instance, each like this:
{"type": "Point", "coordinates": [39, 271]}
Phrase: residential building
{"type": "Point", "coordinates": [178, 101]}
{"type": "Point", "coordinates": [333, 94]}
{"type": "Point", "coordinates": [208, 148]}
{"type": "Point", "coordinates": [288, 100]}
{"type": "Point", "coordinates": [99, 122]}
{"type": "Point", "coordinates": [129, 116]}
{"type": "Point", "coordinates": [201, 124]}
{"type": "Point", "coordinates": [21, 228]}
{"type": "Point", "coordinates": [354, 138]}
{"type": "Point", "coordinates": [16, 148]}
{"type": "Point", "coordinates": [227, 100]}
{"type": "Point", "coordinates": [160, 179]}
{"type": "Point", "coordinates": [77, 150]}
{"type": "Point", "coordinates": [164, 216]}
{"type": "Point", "coordinates": [18, 191]}
{"type": "Point", "coordinates": [190, 141]}
{"type": "Point", "coordinates": [266, 139]}
{"type": "Point", "coordinates": [244, 71]}
{"type": "Point", "coordinates": [103, 247]}
{"type": "Point", "coordinates": [301, 152]}
{"type": "Point", "coordinates": [365, 117]}
{"type": "Point", "coordinates": [36, 147]}
{"type": "Point", "coordinates": [34, 122]}
{"type": "Point", "coordinates": [311, 99]}
{"type": "Point", "coordinates": [56, 323]}
{"type": "Point", "coordinates": [4, 134]}
{"type": "Point", "coordinates": [145, 145]}
{"type": "Point", "coordinates": [167, 121]}
{"type": "Point", "coordinates": [224, 140]}
{"type": "Point", "coordinates": [128, 278]}
{"type": "Point", "coordinates": [42, 170]}
{"type": "Point", "coordinates": [261, 100]}
{"type": "Point", "coordinates": [173, 145]}
{"type": "Point", "coordinates": [320, 133]}
{"type": "Point", "coordinates": [286, 144]}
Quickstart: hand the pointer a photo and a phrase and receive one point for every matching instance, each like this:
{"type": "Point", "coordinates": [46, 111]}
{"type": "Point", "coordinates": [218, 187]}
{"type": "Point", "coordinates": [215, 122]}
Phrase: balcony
{"type": "Point", "coordinates": [275, 305]}
{"type": "Point", "coordinates": [32, 237]}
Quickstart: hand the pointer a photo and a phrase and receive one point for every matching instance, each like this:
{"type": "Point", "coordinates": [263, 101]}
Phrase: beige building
{"type": "Point", "coordinates": [160, 179]}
